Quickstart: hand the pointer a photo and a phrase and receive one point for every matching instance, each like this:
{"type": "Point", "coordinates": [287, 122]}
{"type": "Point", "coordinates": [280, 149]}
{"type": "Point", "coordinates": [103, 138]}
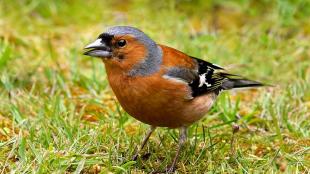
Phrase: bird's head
{"type": "Point", "coordinates": [127, 48]}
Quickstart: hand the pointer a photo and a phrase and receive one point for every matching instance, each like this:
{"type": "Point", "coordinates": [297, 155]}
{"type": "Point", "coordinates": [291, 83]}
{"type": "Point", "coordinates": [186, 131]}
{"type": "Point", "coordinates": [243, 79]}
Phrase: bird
{"type": "Point", "coordinates": [159, 85]}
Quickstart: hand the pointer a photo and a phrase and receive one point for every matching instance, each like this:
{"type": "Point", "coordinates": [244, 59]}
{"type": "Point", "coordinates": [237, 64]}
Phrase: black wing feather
{"type": "Point", "coordinates": [210, 78]}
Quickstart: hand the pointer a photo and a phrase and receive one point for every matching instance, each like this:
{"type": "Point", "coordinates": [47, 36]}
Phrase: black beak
{"type": "Point", "coordinates": [98, 49]}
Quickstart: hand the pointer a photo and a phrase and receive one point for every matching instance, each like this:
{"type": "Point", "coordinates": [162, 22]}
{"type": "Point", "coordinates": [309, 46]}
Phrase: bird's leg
{"type": "Point", "coordinates": [145, 139]}
{"type": "Point", "coordinates": [182, 140]}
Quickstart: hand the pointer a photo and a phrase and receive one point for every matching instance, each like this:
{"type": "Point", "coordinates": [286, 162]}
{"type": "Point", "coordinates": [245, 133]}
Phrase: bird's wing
{"type": "Point", "coordinates": [201, 76]}
{"type": "Point", "coordinates": [202, 79]}
{"type": "Point", "coordinates": [210, 78]}
{"type": "Point", "coordinates": [213, 80]}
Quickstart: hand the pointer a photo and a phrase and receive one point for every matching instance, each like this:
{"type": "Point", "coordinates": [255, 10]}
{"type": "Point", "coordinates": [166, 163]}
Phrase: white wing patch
{"type": "Point", "coordinates": [203, 80]}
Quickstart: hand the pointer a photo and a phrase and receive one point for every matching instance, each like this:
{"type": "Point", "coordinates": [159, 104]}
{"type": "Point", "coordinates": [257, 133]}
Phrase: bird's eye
{"type": "Point", "coordinates": [121, 43]}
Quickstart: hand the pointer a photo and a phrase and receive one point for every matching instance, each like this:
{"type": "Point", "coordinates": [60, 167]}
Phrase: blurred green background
{"type": "Point", "coordinates": [57, 113]}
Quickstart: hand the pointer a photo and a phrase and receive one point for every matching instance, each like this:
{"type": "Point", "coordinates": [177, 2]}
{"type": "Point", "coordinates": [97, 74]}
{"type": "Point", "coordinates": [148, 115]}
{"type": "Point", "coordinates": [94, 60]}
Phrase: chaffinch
{"type": "Point", "coordinates": [159, 85]}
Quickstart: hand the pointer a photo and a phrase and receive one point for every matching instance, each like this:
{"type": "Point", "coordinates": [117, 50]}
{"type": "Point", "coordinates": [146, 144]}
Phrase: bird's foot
{"type": "Point", "coordinates": [143, 157]}
{"type": "Point", "coordinates": [169, 169]}
{"type": "Point", "coordinates": [135, 157]}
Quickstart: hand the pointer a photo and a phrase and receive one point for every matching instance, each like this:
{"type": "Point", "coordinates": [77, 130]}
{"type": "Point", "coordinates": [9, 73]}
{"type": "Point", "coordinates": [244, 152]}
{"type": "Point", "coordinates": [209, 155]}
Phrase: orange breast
{"type": "Point", "coordinates": [157, 101]}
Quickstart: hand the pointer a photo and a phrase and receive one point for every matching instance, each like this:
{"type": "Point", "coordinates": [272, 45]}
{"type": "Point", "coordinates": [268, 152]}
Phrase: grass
{"type": "Point", "coordinates": [58, 115]}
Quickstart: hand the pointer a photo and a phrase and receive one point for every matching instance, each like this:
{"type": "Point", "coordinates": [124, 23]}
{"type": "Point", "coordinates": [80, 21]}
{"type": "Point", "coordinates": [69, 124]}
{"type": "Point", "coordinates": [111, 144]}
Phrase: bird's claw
{"type": "Point", "coordinates": [143, 157]}
{"type": "Point", "coordinates": [169, 169]}
{"type": "Point", "coordinates": [134, 158]}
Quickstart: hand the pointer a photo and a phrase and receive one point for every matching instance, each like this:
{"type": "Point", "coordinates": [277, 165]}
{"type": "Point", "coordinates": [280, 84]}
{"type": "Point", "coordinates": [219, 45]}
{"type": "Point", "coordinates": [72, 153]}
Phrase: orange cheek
{"type": "Point", "coordinates": [131, 56]}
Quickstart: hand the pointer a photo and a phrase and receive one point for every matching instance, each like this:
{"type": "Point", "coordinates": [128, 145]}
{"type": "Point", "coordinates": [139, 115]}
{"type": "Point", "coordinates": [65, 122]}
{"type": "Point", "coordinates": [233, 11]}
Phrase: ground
{"type": "Point", "coordinates": [58, 114]}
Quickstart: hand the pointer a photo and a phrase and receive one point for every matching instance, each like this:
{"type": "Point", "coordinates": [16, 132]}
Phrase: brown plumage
{"type": "Point", "coordinates": [159, 85]}
{"type": "Point", "coordinates": [155, 100]}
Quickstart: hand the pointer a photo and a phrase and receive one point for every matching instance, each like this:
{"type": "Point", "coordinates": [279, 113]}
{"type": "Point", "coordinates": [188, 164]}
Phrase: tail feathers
{"type": "Point", "coordinates": [231, 83]}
